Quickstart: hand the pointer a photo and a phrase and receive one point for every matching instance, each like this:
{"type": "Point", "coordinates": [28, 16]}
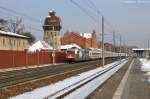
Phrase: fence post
{"type": "Point", "coordinates": [13, 55]}
{"type": "Point", "coordinates": [26, 55]}
{"type": "Point", "coordinates": [38, 58]}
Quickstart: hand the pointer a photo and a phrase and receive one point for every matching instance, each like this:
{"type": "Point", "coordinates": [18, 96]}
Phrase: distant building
{"type": "Point", "coordinates": [52, 27]}
{"type": "Point", "coordinates": [12, 41]}
{"type": "Point", "coordinates": [108, 47]}
{"type": "Point", "coordinates": [84, 40]}
{"type": "Point", "coordinates": [142, 52]}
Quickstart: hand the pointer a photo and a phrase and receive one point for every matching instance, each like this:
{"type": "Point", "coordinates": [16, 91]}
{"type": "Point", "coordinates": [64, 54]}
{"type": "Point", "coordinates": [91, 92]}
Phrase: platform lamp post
{"type": "Point", "coordinates": [120, 46]}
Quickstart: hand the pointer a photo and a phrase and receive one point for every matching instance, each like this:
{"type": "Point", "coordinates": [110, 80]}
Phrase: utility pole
{"type": "Point", "coordinates": [120, 46]}
{"type": "Point", "coordinates": [148, 43]}
{"type": "Point", "coordinates": [124, 46]}
{"type": "Point", "coordinates": [53, 53]}
{"type": "Point", "coordinates": [114, 41]}
{"type": "Point", "coordinates": [103, 56]}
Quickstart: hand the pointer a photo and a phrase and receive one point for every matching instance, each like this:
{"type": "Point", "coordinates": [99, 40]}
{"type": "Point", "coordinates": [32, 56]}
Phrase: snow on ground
{"type": "Point", "coordinates": [87, 89]}
{"type": "Point", "coordinates": [146, 67]}
{"type": "Point", "coordinates": [42, 92]}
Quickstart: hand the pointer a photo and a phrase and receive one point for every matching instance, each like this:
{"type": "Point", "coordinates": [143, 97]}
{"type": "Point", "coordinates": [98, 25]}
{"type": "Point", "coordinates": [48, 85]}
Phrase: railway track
{"type": "Point", "coordinates": [62, 93]}
{"type": "Point", "coordinates": [21, 76]}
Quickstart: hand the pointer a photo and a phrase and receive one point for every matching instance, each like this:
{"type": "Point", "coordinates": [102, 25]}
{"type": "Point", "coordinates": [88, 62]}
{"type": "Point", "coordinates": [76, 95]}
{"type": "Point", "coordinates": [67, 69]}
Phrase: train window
{"type": "Point", "coordinates": [69, 52]}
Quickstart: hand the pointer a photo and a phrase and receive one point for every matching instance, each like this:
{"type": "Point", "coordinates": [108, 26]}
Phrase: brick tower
{"type": "Point", "coordinates": [52, 27]}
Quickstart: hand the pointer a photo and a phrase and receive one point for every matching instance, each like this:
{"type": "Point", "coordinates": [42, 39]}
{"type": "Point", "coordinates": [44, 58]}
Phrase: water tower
{"type": "Point", "coordinates": [52, 27]}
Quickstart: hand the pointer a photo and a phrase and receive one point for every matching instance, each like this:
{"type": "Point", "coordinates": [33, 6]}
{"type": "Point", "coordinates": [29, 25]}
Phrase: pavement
{"type": "Point", "coordinates": [137, 87]}
{"type": "Point", "coordinates": [27, 67]}
{"type": "Point", "coordinates": [128, 83]}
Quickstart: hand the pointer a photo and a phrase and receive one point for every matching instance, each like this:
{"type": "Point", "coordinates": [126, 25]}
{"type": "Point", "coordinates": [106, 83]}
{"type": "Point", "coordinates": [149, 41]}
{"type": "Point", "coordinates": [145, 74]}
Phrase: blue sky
{"type": "Point", "coordinates": [130, 18]}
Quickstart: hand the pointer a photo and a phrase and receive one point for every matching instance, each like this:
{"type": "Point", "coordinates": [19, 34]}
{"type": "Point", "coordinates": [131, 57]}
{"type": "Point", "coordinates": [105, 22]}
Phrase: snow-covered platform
{"type": "Point", "coordinates": [28, 67]}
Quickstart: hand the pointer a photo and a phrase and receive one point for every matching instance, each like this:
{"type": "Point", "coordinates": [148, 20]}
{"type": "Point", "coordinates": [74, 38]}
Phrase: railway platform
{"type": "Point", "coordinates": [128, 83]}
{"type": "Point", "coordinates": [137, 87]}
{"type": "Point", "coordinates": [27, 67]}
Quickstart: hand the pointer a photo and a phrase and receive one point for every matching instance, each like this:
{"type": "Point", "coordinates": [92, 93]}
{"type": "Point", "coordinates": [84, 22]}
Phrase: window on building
{"type": "Point", "coordinates": [23, 44]}
{"type": "Point", "coordinates": [47, 34]}
{"type": "Point", "coordinates": [55, 34]}
{"type": "Point", "coordinates": [18, 43]}
{"type": "Point", "coordinates": [3, 42]}
{"type": "Point", "coordinates": [14, 42]}
{"type": "Point", "coordinates": [10, 42]}
{"type": "Point", "coordinates": [51, 44]}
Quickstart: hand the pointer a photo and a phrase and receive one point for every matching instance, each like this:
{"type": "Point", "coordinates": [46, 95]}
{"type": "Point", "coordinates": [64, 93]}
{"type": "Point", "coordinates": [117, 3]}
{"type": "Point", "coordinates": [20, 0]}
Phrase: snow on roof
{"type": "Point", "coordinates": [51, 11]}
{"type": "Point", "coordinates": [141, 49]}
{"type": "Point", "coordinates": [39, 45]}
{"type": "Point", "coordinates": [12, 34]}
{"type": "Point", "coordinates": [48, 16]}
{"type": "Point", "coordinates": [98, 49]}
{"type": "Point", "coordinates": [86, 35]}
{"type": "Point", "coordinates": [68, 46]}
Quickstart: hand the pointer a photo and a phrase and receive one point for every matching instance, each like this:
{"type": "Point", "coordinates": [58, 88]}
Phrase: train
{"type": "Point", "coordinates": [78, 55]}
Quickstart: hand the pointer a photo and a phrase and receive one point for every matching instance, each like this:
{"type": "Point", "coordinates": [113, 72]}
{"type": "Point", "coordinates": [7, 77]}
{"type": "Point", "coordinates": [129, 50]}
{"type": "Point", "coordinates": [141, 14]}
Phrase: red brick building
{"type": "Point", "coordinates": [108, 47]}
{"type": "Point", "coordinates": [84, 40]}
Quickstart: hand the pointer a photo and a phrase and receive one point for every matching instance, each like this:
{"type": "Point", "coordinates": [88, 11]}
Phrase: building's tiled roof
{"type": "Point", "coordinates": [12, 34]}
{"type": "Point", "coordinates": [141, 49]}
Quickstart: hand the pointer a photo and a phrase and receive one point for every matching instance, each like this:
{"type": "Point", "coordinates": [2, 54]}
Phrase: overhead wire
{"type": "Point", "coordinates": [92, 5]}
{"type": "Point", "coordinates": [84, 10]}
{"type": "Point", "coordinates": [100, 13]}
{"type": "Point", "coordinates": [19, 13]}
{"type": "Point", "coordinates": [6, 10]}
{"type": "Point", "coordinates": [111, 28]}
{"type": "Point", "coordinates": [27, 26]}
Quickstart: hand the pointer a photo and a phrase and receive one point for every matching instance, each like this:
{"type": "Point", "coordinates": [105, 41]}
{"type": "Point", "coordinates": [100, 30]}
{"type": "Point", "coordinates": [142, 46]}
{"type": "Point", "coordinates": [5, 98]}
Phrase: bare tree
{"type": "Point", "coordinates": [16, 26]}
{"type": "Point", "coordinates": [31, 39]}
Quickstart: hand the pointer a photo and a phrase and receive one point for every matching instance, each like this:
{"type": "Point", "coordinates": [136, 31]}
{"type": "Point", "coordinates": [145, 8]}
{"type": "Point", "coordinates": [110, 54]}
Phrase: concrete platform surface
{"type": "Point", "coordinates": [137, 87]}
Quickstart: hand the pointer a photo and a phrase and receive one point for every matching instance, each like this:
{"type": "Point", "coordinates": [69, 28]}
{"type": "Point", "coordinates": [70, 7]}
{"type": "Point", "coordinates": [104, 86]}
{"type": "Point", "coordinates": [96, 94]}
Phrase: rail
{"type": "Point", "coordinates": [22, 76]}
{"type": "Point", "coordinates": [73, 87]}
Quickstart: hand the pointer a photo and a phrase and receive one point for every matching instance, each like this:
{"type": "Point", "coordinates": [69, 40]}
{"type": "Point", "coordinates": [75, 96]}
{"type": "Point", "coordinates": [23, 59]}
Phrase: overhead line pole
{"type": "Point", "coordinates": [114, 41]}
{"type": "Point", "coordinates": [120, 46]}
{"type": "Point", "coordinates": [103, 56]}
